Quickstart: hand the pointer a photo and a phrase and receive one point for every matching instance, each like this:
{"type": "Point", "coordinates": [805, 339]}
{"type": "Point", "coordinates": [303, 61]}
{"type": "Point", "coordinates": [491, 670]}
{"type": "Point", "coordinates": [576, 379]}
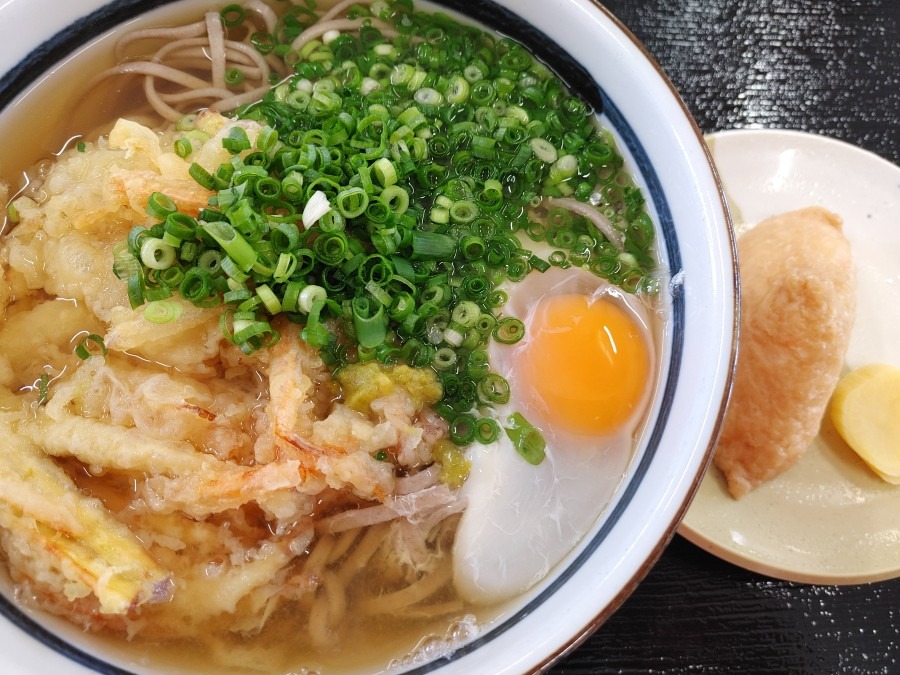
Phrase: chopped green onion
{"type": "Point", "coordinates": [463, 211]}
{"type": "Point", "coordinates": [487, 430]}
{"type": "Point", "coordinates": [478, 364]}
{"type": "Point", "coordinates": [402, 306]}
{"type": "Point", "coordinates": [91, 345]}
{"type": "Point", "coordinates": [494, 388]}
{"type": "Point", "coordinates": [159, 206]}
{"type": "Point", "coordinates": [379, 293]}
{"type": "Point", "coordinates": [203, 177]}
{"type": "Point", "coordinates": [43, 387]}
{"type": "Point", "coordinates": [432, 245]}
{"type": "Point", "coordinates": [236, 247]}
{"type": "Point", "coordinates": [236, 141]}
{"type": "Point", "coordinates": [309, 296]}
{"type": "Point", "coordinates": [232, 15]}
{"type": "Point", "coordinates": [509, 330]}
{"type": "Point", "coordinates": [483, 147]}
{"type": "Point", "coordinates": [385, 172]}
{"type": "Point", "coordinates": [544, 150]}
{"type": "Point", "coordinates": [396, 199]}
{"type": "Point", "coordinates": [563, 169]}
{"type": "Point", "coordinates": [162, 311]}
{"type": "Point", "coordinates": [285, 237]}
{"type": "Point", "coordinates": [269, 299]}
{"type": "Point", "coordinates": [352, 202]}
{"type": "Point", "coordinates": [527, 440]}
{"type": "Point", "coordinates": [181, 226]}
{"type": "Point", "coordinates": [538, 264]}
{"type": "Point", "coordinates": [254, 336]}
{"type": "Point", "coordinates": [462, 429]}
{"type": "Point", "coordinates": [369, 321]}
{"type": "Point", "coordinates": [183, 147]}
{"type": "Point", "coordinates": [12, 213]}
{"type": "Point", "coordinates": [196, 286]}
{"type": "Point", "coordinates": [234, 76]}
{"type": "Point", "coordinates": [444, 358]}
{"type": "Point", "coordinates": [157, 254]}
{"type": "Point", "coordinates": [457, 91]}
{"type": "Point", "coordinates": [315, 333]}
{"type": "Point", "coordinates": [466, 313]}
{"type": "Point", "coordinates": [380, 203]}
{"type": "Point", "coordinates": [210, 261]}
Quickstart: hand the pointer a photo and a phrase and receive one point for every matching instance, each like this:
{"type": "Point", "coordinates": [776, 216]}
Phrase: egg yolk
{"type": "Point", "coordinates": [586, 363]}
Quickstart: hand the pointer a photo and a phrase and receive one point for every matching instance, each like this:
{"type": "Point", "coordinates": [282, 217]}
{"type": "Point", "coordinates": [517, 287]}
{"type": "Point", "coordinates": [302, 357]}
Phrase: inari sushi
{"type": "Point", "coordinates": [798, 304]}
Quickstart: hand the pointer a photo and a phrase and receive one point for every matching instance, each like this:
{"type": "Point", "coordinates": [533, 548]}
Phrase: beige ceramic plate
{"type": "Point", "coordinates": [828, 519]}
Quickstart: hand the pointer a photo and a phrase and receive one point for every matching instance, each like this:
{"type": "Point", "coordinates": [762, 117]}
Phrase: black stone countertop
{"type": "Point", "coordinates": [829, 67]}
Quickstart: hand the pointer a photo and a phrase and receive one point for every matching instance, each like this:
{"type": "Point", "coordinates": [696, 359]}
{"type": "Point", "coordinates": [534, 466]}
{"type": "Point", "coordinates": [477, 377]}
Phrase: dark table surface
{"type": "Point", "coordinates": [824, 66]}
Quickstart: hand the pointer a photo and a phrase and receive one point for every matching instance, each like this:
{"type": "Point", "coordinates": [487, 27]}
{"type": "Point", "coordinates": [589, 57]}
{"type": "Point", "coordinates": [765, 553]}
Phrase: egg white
{"type": "Point", "coordinates": [521, 520]}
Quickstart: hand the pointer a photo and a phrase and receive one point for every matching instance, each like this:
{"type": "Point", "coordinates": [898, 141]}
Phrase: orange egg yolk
{"type": "Point", "coordinates": [586, 363]}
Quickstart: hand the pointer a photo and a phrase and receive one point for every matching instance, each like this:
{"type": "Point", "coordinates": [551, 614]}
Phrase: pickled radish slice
{"type": "Point", "coordinates": [865, 410]}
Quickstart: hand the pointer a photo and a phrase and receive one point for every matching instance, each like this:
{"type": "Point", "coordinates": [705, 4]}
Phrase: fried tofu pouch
{"type": "Point", "coordinates": [798, 305]}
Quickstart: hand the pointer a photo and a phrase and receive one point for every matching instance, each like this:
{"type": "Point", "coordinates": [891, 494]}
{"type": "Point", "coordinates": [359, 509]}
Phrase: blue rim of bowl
{"type": "Point", "coordinates": [487, 12]}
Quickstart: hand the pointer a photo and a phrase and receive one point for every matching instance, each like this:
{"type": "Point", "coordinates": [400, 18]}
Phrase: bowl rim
{"type": "Point", "coordinates": [18, 79]}
{"type": "Point", "coordinates": [672, 528]}
{"type": "Point", "coordinates": [628, 587]}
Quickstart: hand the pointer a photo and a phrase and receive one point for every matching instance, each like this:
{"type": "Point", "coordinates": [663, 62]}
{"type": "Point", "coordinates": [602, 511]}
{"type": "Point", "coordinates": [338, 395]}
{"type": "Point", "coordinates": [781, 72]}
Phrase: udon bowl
{"type": "Point", "coordinates": [666, 153]}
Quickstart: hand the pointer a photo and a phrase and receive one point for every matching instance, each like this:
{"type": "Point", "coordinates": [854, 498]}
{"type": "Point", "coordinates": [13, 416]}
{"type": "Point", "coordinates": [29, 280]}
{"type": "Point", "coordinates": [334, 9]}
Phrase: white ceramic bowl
{"type": "Point", "coordinates": [667, 154]}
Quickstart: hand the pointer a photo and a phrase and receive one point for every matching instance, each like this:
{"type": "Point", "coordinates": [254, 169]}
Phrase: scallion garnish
{"type": "Point", "coordinates": [487, 430]}
{"type": "Point", "coordinates": [91, 345]}
{"type": "Point", "coordinates": [391, 186]}
{"type": "Point", "coordinates": [509, 330]}
{"type": "Point", "coordinates": [43, 388]}
{"type": "Point", "coordinates": [183, 147]}
{"type": "Point", "coordinates": [527, 440]}
{"type": "Point", "coordinates": [162, 311]}
{"type": "Point", "coordinates": [462, 429]}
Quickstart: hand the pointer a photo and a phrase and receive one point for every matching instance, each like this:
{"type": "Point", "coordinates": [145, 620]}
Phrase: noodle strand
{"type": "Point", "coordinates": [216, 48]}
{"type": "Point", "coordinates": [421, 590]}
{"type": "Point", "coordinates": [179, 33]}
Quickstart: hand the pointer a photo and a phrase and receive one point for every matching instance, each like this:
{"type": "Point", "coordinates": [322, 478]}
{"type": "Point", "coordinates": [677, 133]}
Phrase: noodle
{"type": "Point", "coordinates": [238, 52]}
{"type": "Point", "coordinates": [238, 100]}
{"type": "Point", "coordinates": [265, 12]}
{"type": "Point", "coordinates": [343, 544]}
{"type": "Point", "coordinates": [327, 610]}
{"type": "Point", "coordinates": [418, 481]}
{"type": "Point", "coordinates": [179, 33]}
{"type": "Point", "coordinates": [418, 592]}
{"type": "Point", "coordinates": [152, 70]}
{"type": "Point", "coordinates": [319, 555]}
{"type": "Point", "coordinates": [216, 48]}
{"type": "Point", "coordinates": [363, 552]}
{"type": "Point", "coordinates": [190, 50]}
